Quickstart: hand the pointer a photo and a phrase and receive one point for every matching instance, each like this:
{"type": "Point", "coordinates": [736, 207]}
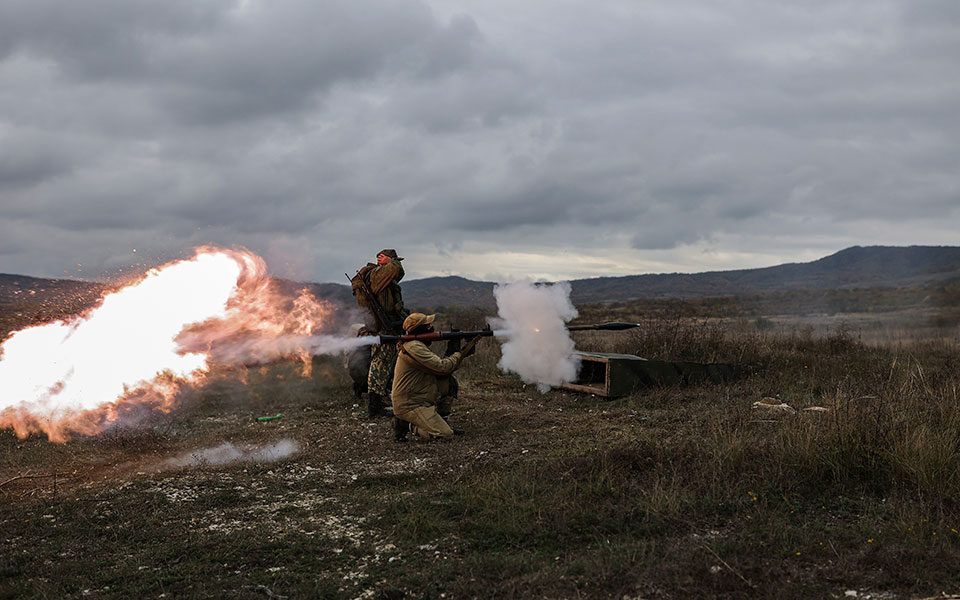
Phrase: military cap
{"type": "Point", "coordinates": [389, 252]}
{"type": "Point", "coordinates": [415, 320]}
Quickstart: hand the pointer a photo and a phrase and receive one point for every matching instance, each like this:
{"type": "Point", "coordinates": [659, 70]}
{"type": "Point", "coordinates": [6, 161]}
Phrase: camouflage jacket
{"type": "Point", "coordinates": [384, 282]}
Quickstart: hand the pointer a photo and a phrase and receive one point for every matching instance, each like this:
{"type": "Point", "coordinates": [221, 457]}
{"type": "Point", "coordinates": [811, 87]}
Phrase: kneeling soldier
{"type": "Point", "coordinates": [423, 384]}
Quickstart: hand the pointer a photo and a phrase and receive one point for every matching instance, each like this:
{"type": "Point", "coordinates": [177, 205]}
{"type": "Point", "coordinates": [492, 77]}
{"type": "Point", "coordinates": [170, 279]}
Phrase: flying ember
{"type": "Point", "coordinates": [80, 375]}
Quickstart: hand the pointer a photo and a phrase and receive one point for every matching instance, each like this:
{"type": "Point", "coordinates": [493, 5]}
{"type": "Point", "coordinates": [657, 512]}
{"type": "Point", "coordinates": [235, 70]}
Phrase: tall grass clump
{"type": "Point", "coordinates": [884, 455]}
{"type": "Point", "coordinates": [892, 423]}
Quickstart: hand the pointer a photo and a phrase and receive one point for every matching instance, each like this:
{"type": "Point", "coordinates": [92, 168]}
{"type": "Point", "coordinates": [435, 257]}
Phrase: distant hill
{"type": "Point", "coordinates": [436, 292]}
{"type": "Point", "coordinates": [16, 289]}
{"type": "Point", "coordinates": [856, 267]}
{"type": "Point", "coordinates": [29, 300]}
{"type": "Point", "coordinates": [340, 295]}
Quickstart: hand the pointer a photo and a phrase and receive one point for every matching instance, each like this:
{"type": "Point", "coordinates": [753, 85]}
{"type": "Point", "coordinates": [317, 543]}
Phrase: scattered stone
{"type": "Point", "coordinates": [774, 408]}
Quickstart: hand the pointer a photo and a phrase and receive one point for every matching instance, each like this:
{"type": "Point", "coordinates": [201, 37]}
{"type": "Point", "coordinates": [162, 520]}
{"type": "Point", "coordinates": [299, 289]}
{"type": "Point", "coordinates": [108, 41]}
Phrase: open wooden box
{"type": "Point", "coordinates": [611, 375]}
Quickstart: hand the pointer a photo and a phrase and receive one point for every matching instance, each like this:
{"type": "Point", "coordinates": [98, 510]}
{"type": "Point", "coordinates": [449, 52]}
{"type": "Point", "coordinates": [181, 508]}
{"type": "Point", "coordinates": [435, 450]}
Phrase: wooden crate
{"type": "Point", "coordinates": [612, 375]}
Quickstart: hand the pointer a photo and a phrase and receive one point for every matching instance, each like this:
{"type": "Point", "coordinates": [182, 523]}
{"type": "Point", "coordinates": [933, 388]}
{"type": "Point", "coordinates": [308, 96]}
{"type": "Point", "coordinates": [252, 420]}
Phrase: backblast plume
{"type": "Point", "coordinates": [140, 345]}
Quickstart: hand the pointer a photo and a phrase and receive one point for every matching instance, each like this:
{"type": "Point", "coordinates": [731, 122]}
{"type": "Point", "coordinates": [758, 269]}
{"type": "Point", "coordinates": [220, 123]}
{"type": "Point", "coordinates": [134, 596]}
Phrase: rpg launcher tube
{"type": "Point", "coordinates": [437, 336]}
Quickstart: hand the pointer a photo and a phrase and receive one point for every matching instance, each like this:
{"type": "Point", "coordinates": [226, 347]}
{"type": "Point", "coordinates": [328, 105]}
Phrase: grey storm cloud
{"type": "Point", "coordinates": [31, 165]}
{"type": "Point", "coordinates": [633, 134]}
{"type": "Point", "coordinates": [214, 62]}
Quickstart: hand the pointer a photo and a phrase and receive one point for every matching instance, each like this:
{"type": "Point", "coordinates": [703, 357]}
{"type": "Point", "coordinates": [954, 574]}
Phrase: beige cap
{"type": "Point", "coordinates": [416, 320]}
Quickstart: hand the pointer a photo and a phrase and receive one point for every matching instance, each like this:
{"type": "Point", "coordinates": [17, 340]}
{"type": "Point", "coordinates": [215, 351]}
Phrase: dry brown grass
{"type": "Point", "coordinates": [668, 493]}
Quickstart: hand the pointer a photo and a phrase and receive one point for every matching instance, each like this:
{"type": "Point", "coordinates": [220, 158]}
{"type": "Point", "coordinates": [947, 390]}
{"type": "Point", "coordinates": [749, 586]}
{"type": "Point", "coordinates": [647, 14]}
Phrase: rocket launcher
{"type": "Point", "coordinates": [436, 336]}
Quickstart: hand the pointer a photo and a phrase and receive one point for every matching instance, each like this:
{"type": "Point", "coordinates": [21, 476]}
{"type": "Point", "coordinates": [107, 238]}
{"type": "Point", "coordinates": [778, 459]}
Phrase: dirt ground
{"type": "Point", "coordinates": [343, 462]}
{"type": "Point", "coordinates": [666, 493]}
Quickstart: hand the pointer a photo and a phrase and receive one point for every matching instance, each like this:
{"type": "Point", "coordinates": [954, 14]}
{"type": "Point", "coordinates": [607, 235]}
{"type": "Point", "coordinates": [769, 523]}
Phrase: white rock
{"type": "Point", "coordinates": [774, 408]}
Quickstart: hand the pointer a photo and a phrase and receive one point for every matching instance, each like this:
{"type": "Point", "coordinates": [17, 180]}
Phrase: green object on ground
{"type": "Point", "coordinates": [273, 418]}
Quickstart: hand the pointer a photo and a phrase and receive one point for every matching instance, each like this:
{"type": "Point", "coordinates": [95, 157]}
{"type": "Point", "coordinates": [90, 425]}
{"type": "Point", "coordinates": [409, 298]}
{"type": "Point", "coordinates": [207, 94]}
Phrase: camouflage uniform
{"type": "Point", "coordinates": [384, 282]}
{"type": "Point", "coordinates": [383, 359]}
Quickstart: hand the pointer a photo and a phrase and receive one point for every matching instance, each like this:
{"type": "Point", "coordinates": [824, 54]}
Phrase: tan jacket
{"type": "Point", "coordinates": [415, 377]}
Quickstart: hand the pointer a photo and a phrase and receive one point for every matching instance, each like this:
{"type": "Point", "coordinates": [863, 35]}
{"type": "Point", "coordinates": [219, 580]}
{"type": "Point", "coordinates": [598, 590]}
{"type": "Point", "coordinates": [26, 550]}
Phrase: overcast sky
{"type": "Point", "coordinates": [495, 140]}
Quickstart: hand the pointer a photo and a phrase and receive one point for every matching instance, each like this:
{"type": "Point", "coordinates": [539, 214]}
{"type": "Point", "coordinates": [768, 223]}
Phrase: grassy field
{"type": "Point", "coordinates": [684, 492]}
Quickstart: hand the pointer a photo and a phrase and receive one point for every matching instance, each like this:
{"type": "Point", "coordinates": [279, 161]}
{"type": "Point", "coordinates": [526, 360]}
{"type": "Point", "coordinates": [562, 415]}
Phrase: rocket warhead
{"type": "Point", "coordinates": [611, 326]}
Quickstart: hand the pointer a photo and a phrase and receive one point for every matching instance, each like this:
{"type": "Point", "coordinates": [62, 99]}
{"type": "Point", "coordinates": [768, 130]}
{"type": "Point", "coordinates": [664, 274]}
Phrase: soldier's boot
{"type": "Point", "coordinates": [446, 419]}
{"type": "Point", "coordinates": [400, 430]}
{"type": "Point", "coordinates": [375, 407]}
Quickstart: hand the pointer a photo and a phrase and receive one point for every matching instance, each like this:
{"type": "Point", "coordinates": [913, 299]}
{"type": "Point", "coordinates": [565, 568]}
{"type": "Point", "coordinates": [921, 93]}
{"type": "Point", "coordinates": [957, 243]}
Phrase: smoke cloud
{"type": "Point", "coordinates": [77, 375]}
{"type": "Point", "coordinates": [538, 346]}
{"type": "Point", "coordinates": [227, 453]}
{"type": "Point", "coordinates": [264, 322]}
{"type": "Point", "coordinates": [263, 348]}
{"type": "Point", "coordinates": [147, 342]}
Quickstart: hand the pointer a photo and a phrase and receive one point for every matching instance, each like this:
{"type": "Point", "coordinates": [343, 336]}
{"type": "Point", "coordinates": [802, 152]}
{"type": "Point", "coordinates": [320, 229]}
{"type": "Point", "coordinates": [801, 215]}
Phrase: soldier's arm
{"type": "Point", "coordinates": [381, 276]}
{"type": "Point", "coordinates": [430, 362]}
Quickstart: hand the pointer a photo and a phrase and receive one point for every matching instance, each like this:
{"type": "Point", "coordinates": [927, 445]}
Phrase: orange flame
{"type": "Point", "coordinates": [142, 343]}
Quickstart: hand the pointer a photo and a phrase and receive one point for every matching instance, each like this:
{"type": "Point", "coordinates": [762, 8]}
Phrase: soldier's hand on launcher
{"type": "Point", "coordinates": [452, 345]}
{"type": "Point", "coordinates": [470, 348]}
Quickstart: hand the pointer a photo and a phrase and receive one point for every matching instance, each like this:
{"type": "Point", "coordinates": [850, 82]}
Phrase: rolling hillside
{"type": "Point", "coordinates": [856, 267]}
{"type": "Point", "coordinates": [849, 269]}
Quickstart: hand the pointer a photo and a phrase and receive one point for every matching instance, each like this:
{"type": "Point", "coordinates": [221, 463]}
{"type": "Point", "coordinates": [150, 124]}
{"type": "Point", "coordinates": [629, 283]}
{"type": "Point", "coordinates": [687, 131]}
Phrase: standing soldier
{"type": "Point", "coordinates": [377, 289]}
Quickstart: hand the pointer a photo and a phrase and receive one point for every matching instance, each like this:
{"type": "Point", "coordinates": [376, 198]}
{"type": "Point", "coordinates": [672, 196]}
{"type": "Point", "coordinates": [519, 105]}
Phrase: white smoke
{"type": "Point", "coordinates": [538, 348]}
{"type": "Point", "coordinates": [253, 348]}
{"type": "Point", "coordinates": [227, 453]}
